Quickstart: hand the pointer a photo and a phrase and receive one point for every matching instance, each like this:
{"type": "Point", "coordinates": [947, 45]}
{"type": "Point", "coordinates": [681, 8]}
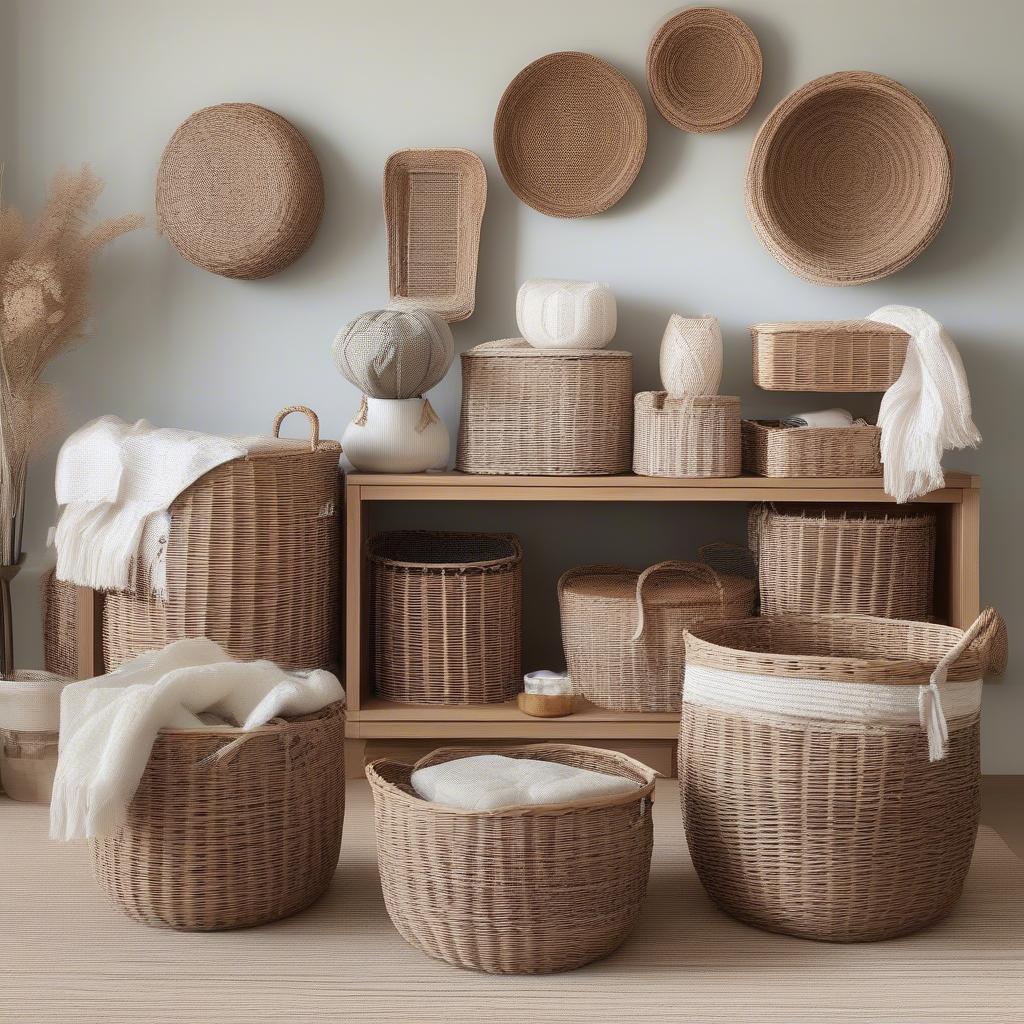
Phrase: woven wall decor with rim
{"type": "Point", "coordinates": [704, 69]}
{"type": "Point", "coordinates": [826, 818]}
{"type": "Point", "coordinates": [447, 616]}
{"type": "Point", "coordinates": [519, 890]}
{"type": "Point", "coordinates": [827, 355]}
{"type": "Point", "coordinates": [60, 625]}
{"type": "Point", "coordinates": [850, 178]}
{"type": "Point", "coordinates": [623, 630]}
{"type": "Point", "coordinates": [545, 412]}
{"type": "Point", "coordinates": [862, 560]}
{"type": "Point", "coordinates": [434, 204]}
{"type": "Point", "coordinates": [770, 448]}
{"type": "Point", "coordinates": [252, 562]}
{"type": "Point", "coordinates": [239, 191]}
{"type": "Point", "coordinates": [570, 134]}
{"type": "Point", "coordinates": [686, 437]}
{"type": "Point", "coordinates": [230, 829]}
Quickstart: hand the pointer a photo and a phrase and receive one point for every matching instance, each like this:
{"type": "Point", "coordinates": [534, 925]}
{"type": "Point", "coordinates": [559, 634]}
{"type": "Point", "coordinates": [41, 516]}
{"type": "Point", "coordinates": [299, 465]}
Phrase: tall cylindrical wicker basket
{"type": "Point", "coordinates": [810, 801]}
{"type": "Point", "coordinates": [252, 562]}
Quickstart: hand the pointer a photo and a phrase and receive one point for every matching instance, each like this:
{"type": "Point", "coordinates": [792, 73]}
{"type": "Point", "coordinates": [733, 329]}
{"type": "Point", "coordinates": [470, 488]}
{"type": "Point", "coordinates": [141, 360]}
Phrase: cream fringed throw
{"type": "Point", "coordinates": [108, 725]}
{"type": "Point", "coordinates": [927, 410]}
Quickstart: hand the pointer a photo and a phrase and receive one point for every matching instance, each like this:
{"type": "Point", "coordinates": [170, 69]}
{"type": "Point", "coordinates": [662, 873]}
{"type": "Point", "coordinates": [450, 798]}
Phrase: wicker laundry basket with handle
{"type": "Point", "coordinates": [230, 829]}
{"type": "Point", "coordinates": [696, 436]}
{"type": "Point", "coordinates": [252, 561]}
{"type": "Point", "coordinates": [518, 890]}
{"type": "Point", "coordinates": [624, 631]}
{"type": "Point", "coordinates": [829, 769]}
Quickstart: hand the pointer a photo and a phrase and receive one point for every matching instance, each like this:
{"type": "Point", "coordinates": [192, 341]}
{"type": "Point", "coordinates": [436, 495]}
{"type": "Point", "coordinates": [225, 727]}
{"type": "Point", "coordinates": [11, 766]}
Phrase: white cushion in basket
{"type": "Point", "coordinates": [486, 782]}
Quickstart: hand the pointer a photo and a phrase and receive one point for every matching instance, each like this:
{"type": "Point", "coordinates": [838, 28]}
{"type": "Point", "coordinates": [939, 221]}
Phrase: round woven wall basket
{"type": "Point", "coordinates": [704, 69]}
{"type": "Point", "coordinates": [570, 135]}
{"type": "Point", "coordinates": [849, 179]}
{"type": "Point", "coordinates": [239, 191]}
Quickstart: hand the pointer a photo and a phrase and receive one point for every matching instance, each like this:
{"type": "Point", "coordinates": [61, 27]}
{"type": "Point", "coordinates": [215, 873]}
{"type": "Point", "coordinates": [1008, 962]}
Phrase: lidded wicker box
{"type": "Point", "coordinates": [624, 631]}
{"type": "Point", "coordinates": [772, 449]}
{"type": "Point", "coordinates": [545, 412]}
{"type": "Point", "coordinates": [697, 436]}
{"type": "Point", "coordinates": [252, 561]}
{"type": "Point", "coordinates": [447, 616]}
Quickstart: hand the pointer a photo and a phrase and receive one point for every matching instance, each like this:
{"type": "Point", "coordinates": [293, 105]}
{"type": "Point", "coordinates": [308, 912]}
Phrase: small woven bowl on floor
{"type": "Point", "coordinates": [704, 69]}
{"type": "Point", "coordinates": [849, 179]}
{"type": "Point", "coordinates": [239, 191]}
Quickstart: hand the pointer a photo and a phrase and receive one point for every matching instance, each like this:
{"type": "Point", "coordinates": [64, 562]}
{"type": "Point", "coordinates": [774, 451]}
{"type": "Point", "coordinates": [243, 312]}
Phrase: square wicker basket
{"type": "Point", "coordinates": [772, 449]}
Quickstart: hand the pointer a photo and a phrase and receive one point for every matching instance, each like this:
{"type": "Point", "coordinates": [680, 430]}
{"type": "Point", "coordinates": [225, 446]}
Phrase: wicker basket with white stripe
{"type": "Point", "coordinates": [829, 769]}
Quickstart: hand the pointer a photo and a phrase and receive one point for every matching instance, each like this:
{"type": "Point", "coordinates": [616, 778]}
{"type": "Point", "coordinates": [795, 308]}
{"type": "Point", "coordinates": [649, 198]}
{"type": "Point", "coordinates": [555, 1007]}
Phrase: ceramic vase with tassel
{"type": "Point", "coordinates": [396, 435]}
{"type": "Point", "coordinates": [691, 356]}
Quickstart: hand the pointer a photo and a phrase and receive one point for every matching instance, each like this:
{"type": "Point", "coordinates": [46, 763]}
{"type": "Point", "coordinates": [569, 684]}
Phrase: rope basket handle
{"type": "Point", "coordinates": [695, 570]}
{"type": "Point", "coordinates": [314, 423]}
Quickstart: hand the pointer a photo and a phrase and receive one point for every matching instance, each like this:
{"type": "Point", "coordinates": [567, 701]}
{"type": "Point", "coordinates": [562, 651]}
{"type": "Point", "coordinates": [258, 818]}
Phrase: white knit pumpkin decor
{"type": "Point", "coordinates": [691, 356]}
{"type": "Point", "coordinates": [566, 314]}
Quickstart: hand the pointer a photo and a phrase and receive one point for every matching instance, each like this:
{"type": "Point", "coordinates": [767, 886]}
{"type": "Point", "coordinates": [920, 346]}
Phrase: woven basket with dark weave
{"type": "Point", "coordinates": [60, 626]}
{"type": "Point", "coordinates": [770, 448]}
{"type": "Point", "coordinates": [697, 436]}
{"type": "Point", "coordinates": [519, 890]}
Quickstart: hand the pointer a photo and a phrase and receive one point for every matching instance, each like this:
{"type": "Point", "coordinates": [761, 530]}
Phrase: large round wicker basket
{"type": "Point", "coordinates": [447, 616]}
{"type": "Point", "coordinates": [519, 890]}
{"type": "Point", "coordinates": [252, 562]}
{"type": "Point", "coordinates": [229, 828]}
{"type": "Point", "coordinates": [624, 631]}
{"type": "Point", "coordinates": [810, 801]}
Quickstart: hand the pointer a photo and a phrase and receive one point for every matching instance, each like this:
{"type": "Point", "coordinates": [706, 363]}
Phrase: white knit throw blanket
{"type": "Point", "coordinates": [108, 725]}
{"type": "Point", "coordinates": [927, 410]}
{"type": "Point", "coordinates": [117, 482]}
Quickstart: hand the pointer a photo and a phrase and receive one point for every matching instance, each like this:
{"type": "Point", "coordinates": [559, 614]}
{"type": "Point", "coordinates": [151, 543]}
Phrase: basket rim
{"type": "Point", "coordinates": [512, 559]}
{"type": "Point", "coordinates": [863, 326]}
{"type": "Point", "coordinates": [273, 727]}
{"type": "Point", "coordinates": [520, 348]}
{"type": "Point", "coordinates": [777, 427]}
{"type": "Point", "coordinates": [742, 587]}
{"type": "Point", "coordinates": [663, 402]}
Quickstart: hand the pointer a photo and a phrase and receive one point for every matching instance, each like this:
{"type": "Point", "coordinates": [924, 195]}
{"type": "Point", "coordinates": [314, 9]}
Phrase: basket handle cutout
{"type": "Point", "coordinates": [692, 570]}
{"type": "Point", "coordinates": [314, 423]}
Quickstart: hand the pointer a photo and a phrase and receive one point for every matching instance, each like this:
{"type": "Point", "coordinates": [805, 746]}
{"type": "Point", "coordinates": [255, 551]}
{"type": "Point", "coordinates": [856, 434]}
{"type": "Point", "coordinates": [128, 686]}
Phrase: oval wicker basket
{"type": "Point", "coordinates": [447, 616]}
{"type": "Point", "coordinates": [230, 829]}
{"type": "Point", "coordinates": [704, 69]}
{"type": "Point", "coordinates": [770, 448]}
{"type": "Point", "coordinates": [623, 631]}
{"type": "Point", "coordinates": [849, 179]}
{"type": "Point", "coordinates": [856, 560]}
{"type": "Point", "coordinates": [825, 818]}
{"type": "Point", "coordinates": [520, 890]}
{"type": "Point", "coordinates": [686, 437]}
{"type": "Point", "coordinates": [570, 135]}
{"type": "Point", "coordinates": [252, 562]}
{"type": "Point", "coordinates": [545, 412]}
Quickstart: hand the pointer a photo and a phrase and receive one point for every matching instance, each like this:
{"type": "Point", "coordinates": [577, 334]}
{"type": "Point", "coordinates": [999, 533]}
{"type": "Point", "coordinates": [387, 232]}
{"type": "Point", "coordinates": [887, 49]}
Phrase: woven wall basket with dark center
{"type": "Point", "coordinates": [570, 135]}
{"type": "Point", "coordinates": [704, 69]}
{"type": "Point", "coordinates": [239, 191]}
{"type": "Point", "coordinates": [849, 179]}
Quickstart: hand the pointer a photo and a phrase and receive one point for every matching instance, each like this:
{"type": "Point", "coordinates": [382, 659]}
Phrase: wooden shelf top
{"type": "Point", "coordinates": [584, 711]}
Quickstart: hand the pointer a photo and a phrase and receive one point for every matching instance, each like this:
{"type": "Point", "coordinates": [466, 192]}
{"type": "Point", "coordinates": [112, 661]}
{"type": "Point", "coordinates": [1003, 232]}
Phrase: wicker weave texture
{"type": "Point", "coordinates": [60, 626]}
{"type": "Point", "coordinates": [854, 561]}
{"type": "Point", "coordinates": [434, 204]}
{"type": "Point", "coordinates": [545, 412]}
{"type": "Point", "coordinates": [704, 69]}
{"type": "Point", "coordinates": [232, 842]}
{"type": "Point", "coordinates": [525, 890]}
{"type": "Point", "coordinates": [239, 191]}
{"type": "Point", "coordinates": [686, 437]}
{"type": "Point", "coordinates": [447, 617]}
{"type": "Point", "coordinates": [772, 449]}
{"type": "Point", "coordinates": [570, 135]}
{"type": "Point", "coordinates": [830, 355]}
{"type": "Point", "coordinates": [849, 179]}
{"type": "Point", "coordinates": [624, 631]}
{"type": "Point", "coordinates": [252, 563]}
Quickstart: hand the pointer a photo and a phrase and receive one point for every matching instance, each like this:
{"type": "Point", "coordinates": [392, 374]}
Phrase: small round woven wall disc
{"type": "Point", "coordinates": [239, 191]}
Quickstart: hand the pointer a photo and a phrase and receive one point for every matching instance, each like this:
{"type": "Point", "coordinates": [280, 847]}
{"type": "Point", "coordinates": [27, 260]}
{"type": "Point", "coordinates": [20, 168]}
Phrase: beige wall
{"type": "Point", "coordinates": [108, 80]}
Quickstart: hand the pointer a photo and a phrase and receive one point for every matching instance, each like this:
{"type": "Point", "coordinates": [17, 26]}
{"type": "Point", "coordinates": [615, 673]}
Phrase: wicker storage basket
{"type": "Point", "coordinates": [686, 437]}
{"type": "Point", "coordinates": [519, 890]}
{"type": "Point", "coordinates": [772, 449]}
{"type": "Point", "coordinates": [856, 560]}
{"type": "Point", "coordinates": [229, 828]}
{"type": "Point", "coordinates": [623, 631]}
{"type": "Point", "coordinates": [545, 412]}
{"type": "Point", "coordinates": [814, 802]}
{"type": "Point", "coordinates": [252, 562]}
{"type": "Point", "coordinates": [60, 626]}
{"type": "Point", "coordinates": [830, 355]}
{"type": "Point", "coordinates": [447, 616]}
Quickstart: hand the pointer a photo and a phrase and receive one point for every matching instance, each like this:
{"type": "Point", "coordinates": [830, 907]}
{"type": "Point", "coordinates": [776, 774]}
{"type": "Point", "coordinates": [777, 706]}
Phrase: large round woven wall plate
{"type": "Point", "coordinates": [704, 69]}
{"type": "Point", "coordinates": [239, 191]}
{"type": "Point", "coordinates": [849, 179]}
{"type": "Point", "coordinates": [570, 135]}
